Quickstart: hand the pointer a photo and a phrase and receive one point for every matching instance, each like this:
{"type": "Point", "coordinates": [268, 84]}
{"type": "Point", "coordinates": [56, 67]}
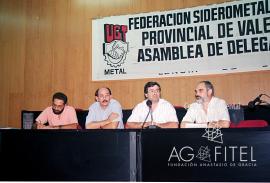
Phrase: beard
{"type": "Point", "coordinates": [57, 112]}
{"type": "Point", "coordinates": [199, 99]}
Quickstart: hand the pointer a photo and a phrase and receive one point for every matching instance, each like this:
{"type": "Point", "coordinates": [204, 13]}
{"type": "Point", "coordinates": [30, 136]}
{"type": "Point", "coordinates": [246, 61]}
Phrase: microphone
{"type": "Point", "coordinates": [149, 104]}
{"type": "Point", "coordinates": [252, 103]}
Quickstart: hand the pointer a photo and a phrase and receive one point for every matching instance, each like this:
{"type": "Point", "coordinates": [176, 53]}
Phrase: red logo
{"type": "Point", "coordinates": [115, 47]}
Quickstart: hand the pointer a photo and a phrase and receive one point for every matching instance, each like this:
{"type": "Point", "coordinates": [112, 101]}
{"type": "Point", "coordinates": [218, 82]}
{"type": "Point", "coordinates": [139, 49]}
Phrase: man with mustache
{"type": "Point", "coordinates": [163, 113]}
{"type": "Point", "coordinates": [105, 113]}
{"type": "Point", "coordinates": [59, 115]}
{"type": "Point", "coordinates": [208, 110]}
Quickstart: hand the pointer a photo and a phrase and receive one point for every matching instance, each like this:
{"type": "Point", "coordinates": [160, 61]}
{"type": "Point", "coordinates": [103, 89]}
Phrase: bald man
{"type": "Point", "coordinates": [208, 110]}
{"type": "Point", "coordinates": [105, 113]}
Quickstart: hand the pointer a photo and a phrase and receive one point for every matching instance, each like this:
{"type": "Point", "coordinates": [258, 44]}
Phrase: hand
{"type": "Point", "coordinates": [183, 125]}
{"type": "Point", "coordinates": [146, 124]}
{"type": "Point", "coordinates": [213, 124]}
{"type": "Point", "coordinates": [156, 124]}
{"type": "Point", "coordinates": [44, 127]}
{"type": "Point", "coordinates": [113, 116]}
{"type": "Point", "coordinates": [40, 125]}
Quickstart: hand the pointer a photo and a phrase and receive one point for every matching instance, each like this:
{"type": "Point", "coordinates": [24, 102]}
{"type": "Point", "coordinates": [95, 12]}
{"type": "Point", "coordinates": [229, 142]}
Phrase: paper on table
{"type": "Point", "coordinates": [196, 125]}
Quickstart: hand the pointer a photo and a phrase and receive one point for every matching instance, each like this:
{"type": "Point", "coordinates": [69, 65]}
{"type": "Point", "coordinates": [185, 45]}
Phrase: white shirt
{"type": "Point", "coordinates": [217, 110]}
{"type": "Point", "coordinates": [164, 112]}
{"type": "Point", "coordinates": [96, 113]}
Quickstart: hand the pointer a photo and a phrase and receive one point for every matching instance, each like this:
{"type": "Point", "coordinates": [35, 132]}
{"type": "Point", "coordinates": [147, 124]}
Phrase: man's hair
{"type": "Point", "coordinates": [60, 96]}
{"type": "Point", "coordinates": [208, 86]}
{"type": "Point", "coordinates": [96, 93]}
{"type": "Point", "coordinates": [150, 84]}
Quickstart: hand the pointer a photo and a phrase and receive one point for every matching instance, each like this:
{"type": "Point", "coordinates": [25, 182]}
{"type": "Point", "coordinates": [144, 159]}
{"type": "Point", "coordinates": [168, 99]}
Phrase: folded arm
{"type": "Point", "coordinates": [219, 124]}
{"type": "Point", "coordinates": [167, 125]}
{"type": "Point", "coordinates": [214, 124]}
{"type": "Point", "coordinates": [68, 126]}
{"type": "Point", "coordinates": [137, 125]}
{"type": "Point", "coordinates": [110, 123]}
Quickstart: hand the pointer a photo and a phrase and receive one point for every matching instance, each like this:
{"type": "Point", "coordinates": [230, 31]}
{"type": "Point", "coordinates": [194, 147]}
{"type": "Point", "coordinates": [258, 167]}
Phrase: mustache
{"type": "Point", "coordinates": [105, 101]}
{"type": "Point", "coordinates": [55, 111]}
{"type": "Point", "coordinates": [197, 97]}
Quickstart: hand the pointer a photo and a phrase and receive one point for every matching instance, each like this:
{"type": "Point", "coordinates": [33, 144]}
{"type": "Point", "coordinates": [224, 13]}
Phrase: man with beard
{"type": "Point", "coordinates": [59, 115]}
{"type": "Point", "coordinates": [105, 113]}
{"type": "Point", "coordinates": [208, 110]}
{"type": "Point", "coordinates": [162, 113]}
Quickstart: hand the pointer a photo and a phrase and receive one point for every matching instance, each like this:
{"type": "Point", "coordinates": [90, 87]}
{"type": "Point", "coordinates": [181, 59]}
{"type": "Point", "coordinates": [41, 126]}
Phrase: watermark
{"type": "Point", "coordinates": [214, 155]}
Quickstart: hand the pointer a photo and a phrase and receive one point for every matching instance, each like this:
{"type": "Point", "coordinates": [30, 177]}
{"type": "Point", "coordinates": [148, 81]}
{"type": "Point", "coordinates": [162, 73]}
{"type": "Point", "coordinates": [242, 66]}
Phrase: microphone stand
{"type": "Point", "coordinates": [147, 117]}
{"type": "Point", "coordinates": [152, 126]}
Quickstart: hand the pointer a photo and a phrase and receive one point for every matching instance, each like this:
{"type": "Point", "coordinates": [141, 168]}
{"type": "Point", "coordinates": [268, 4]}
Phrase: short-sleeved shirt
{"type": "Point", "coordinates": [164, 112]}
{"type": "Point", "coordinates": [68, 116]}
{"type": "Point", "coordinates": [97, 113]}
{"type": "Point", "coordinates": [217, 110]}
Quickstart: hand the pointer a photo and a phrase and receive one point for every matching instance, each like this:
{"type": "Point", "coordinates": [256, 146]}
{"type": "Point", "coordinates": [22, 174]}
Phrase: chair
{"type": "Point", "coordinates": [249, 124]}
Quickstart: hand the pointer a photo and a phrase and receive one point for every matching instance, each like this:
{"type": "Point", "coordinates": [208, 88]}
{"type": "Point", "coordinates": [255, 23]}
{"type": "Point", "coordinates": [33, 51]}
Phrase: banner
{"type": "Point", "coordinates": [215, 39]}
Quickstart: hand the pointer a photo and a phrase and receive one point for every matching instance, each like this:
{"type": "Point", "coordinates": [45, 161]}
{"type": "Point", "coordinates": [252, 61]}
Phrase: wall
{"type": "Point", "coordinates": [45, 46]}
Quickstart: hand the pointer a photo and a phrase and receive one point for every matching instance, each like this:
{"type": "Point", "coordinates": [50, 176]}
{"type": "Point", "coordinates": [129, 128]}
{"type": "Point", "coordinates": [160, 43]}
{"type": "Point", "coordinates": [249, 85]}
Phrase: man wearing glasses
{"type": "Point", "coordinates": [153, 111]}
{"type": "Point", "coordinates": [105, 113]}
{"type": "Point", "coordinates": [59, 115]}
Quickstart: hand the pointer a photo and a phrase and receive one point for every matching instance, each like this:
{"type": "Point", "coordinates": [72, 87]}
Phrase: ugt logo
{"type": "Point", "coordinates": [115, 47]}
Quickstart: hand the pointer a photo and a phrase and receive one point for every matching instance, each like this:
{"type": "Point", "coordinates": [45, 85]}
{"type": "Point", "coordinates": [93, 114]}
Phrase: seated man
{"type": "Point", "coordinates": [207, 111]}
{"type": "Point", "coordinates": [163, 113]}
{"type": "Point", "coordinates": [59, 115]}
{"type": "Point", "coordinates": [105, 113]}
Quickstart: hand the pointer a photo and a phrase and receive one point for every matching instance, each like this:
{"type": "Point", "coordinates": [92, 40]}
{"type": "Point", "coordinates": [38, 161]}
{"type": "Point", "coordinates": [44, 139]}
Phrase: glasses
{"type": "Point", "coordinates": [154, 91]}
{"type": "Point", "coordinates": [103, 96]}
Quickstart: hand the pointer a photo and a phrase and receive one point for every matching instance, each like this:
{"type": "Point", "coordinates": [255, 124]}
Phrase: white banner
{"type": "Point", "coordinates": [215, 39]}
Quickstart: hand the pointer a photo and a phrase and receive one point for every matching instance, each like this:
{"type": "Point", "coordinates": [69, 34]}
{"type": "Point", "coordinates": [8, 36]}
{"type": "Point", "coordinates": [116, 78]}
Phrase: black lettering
{"type": "Point", "coordinates": [142, 22]}
{"type": "Point", "coordinates": [190, 51]}
{"type": "Point", "coordinates": [219, 48]}
{"type": "Point", "coordinates": [196, 15]}
{"type": "Point", "coordinates": [190, 31]}
{"type": "Point", "coordinates": [155, 21]}
{"type": "Point", "coordinates": [238, 10]}
{"type": "Point", "coordinates": [241, 27]}
{"type": "Point", "coordinates": [198, 52]}
{"type": "Point", "coordinates": [221, 30]}
{"type": "Point", "coordinates": [148, 54]}
{"type": "Point", "coordinates": [175, 53]}
{"type": "Point", "coordinates": [145, 36]}
{"type": "Point", "coordinates": [153, 39]}
{"type": "Point", "coordinates": [168, 36]}
{"type": "Point", "coordinates": [264, 45]}
{"type": "Point", "coordinates": [156, 55]}
{"type": "Point", "coordinates": [229, 12]}
{"type": "Point", "coordinates": [169, 16]}
{"type": "Point", "coordinates": [254, 45]}
{"type": "Point", "coordinates": [149, 22]}
{"type": "Point", "coordinates": [140, 55]}
{"type": "Point", "coordinates": [231, 47]}
{"type": "Point", "coordinates": [107, 72]}
{"type": "Point", "coordinates": [229, 29]}
{"type": "Point", "coordinates": [160, 37]}
{"type": "Point", "coordinates": [266, 24]}
{"type": "Point", "coordinates": [211, 49]}
{"type": "Point", "coordinates": [165, 53]}
{"type": "Point", "coordinates": [162, 21]}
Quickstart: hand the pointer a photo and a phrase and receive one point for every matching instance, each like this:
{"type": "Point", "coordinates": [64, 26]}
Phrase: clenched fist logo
{"type": "Point", "coordinates": [115, 52]}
